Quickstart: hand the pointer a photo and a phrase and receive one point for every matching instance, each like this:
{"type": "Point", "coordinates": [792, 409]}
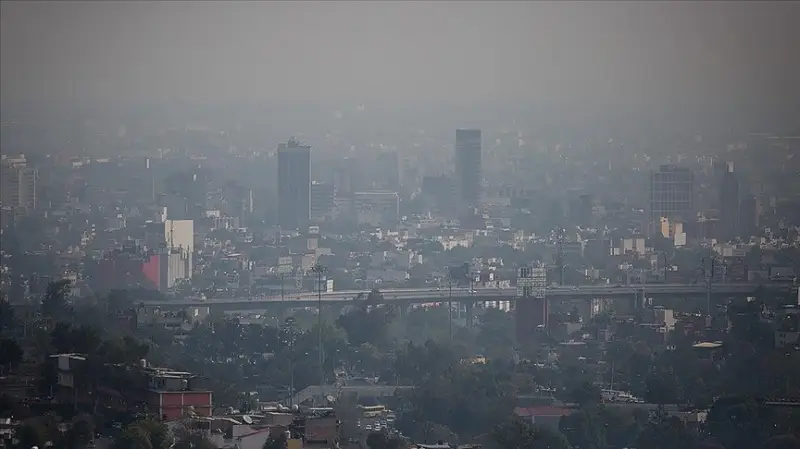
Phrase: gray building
{"type": "Point", "coordinates": [468, 165]}
{"type": "Point", "coordinates": [729, 204]}
{"type": "Point", "coordinates": [671, 195]}
{"type": "Point", "coordinates": [294, 184]}
{"type": "Point", "coordinates": [18, 187]}
{"type": "Point", "coordinates": [322, 201]}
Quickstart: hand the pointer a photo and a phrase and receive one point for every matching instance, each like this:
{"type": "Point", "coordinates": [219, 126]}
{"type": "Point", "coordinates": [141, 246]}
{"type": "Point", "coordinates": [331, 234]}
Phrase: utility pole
{"type": "Point", "coordinates": [665, 265]}
{"type": "Point", "coordinates": [283, 297]}
{"type": "Point", "coordinates": [450, 306]}
{"type": "Point", "coordinates": [289, 330]}
{"type": "Point", "coordinates": [471, 304]}
{"type": "Point", "coordinates": [560, 254]}
{"type": "Point", "coordinates": [709, 275]}
{"type": "Point", "coordinates": [319, 270]}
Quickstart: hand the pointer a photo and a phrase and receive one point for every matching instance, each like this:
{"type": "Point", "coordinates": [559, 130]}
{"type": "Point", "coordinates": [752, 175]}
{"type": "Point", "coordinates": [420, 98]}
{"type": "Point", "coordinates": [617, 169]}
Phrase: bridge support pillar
{"type": "Point", "coordinates": [637, 302]}
{"type": "Point", "coordinates": [531, 318]}
{"type": "Point", "coordinates": [470, 307]}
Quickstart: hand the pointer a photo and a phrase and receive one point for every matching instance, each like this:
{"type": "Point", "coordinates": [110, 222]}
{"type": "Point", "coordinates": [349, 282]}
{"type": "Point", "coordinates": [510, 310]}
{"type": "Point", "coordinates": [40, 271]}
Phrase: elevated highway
{"type": "Point", "coordinates": [425, 295]}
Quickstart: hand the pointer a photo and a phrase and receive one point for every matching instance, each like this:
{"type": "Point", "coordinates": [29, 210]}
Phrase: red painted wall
{"type": "Point", "coordinates": [152, 270]}
{"type": "Point", "coordinates": [170, 405]}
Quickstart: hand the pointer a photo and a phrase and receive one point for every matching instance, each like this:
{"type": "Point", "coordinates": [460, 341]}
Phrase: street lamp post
{"type": "Point", "coordinates": [709, 275]}
{"type": "Point", "coordinates": [320, 270]}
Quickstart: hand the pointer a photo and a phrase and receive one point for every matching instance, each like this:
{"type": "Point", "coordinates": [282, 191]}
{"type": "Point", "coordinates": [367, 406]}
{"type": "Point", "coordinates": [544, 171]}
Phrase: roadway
{"type": "Point", "coordinates": [418, 295]}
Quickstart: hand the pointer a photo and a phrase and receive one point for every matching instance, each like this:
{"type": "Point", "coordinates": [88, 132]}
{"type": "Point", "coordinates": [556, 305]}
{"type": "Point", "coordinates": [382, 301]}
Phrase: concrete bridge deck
{"type": "Point", "coordinates": [421, 295]}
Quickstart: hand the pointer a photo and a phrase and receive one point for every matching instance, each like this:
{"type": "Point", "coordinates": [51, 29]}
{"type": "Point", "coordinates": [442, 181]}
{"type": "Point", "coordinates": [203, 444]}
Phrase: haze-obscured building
{"type": "Point", "coordinates": [468, 165]}
{"type": "Point", "coordinates": [18, 186]}
{"type": "Point", "coordinates": [377, 208]}
{"type": "Point", "coordinates": [294, 184]}
{"type": "Point", "coordinates": [729, 204]}
{"type": "Point", "coordinates": [671, 195]}
{"type": "Point", "coordinates": [322, 201]}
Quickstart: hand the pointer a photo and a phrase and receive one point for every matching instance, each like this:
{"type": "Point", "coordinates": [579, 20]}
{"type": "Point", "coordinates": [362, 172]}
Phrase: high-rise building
{"type": "Point", "coordinates": [322, 201]}
{"type": "Point", "coordinates": [468, 165]}
{"type": "Point", "coordinates": [377, 208]}
{"type": "Point", "coordinates": [671, 195]}
{"type": "Point", "coordinates": [748, 216]}
{"type": "Point", "coordinates": [172, 243]}
{"type": "Point", "coordinates": [531, 308]}
{"type": "Point", "coordinates": [441, 193]}
{"type": "Point", "coordinates": [389, 167]}
{"type": "Point", "coordinates": [343, 179]}
{"type": "Point", "coordinates": [18, 187]}
{"type": "Point", "coordinates": [729, 204]}
{"type": "Point", "coordinates": [294, 184]}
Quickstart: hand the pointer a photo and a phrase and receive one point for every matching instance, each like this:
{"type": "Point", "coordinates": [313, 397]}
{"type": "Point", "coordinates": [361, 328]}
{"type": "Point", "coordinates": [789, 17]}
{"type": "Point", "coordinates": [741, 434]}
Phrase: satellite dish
{"type": "Point", "coordinates": [330, 398]}
{"type": "Point", "coordinates": [247, 419]}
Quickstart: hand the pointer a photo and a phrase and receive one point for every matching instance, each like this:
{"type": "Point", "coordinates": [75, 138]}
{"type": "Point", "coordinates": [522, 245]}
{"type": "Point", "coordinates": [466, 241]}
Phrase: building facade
{"type": "Point", "coordinates": [294, 184]}
{"type": "Point", "coordinates": [18, 187]}
{"type": "Point", "coordinates": [671, 195]}
{"type": "Point", "coordinates": [531, 308]}
{"type": "Point", "coordinates": [729, 204]}
{"type": "Point", "coordinates": [377, 208]}
{"type": "Point", "coordinates": [468, 165]}
{"type": "Point", "coordinates": [322, 201]}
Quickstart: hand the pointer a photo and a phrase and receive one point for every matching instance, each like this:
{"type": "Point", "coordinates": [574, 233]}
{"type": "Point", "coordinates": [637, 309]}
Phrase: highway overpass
{"type": "Point", "coordinates": [320, 393]}
{"type": "Point", "coordinates": [424, 295]}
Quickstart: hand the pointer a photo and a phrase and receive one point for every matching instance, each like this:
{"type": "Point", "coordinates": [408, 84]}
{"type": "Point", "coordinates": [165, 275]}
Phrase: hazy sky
{"type": "Point", "coordinates": [548, 53]}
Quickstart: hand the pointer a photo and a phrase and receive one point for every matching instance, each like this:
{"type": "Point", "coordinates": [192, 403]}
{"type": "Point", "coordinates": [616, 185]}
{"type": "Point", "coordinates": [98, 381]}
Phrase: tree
{"type": "Point", "coordinates": [586, 394]}
{"type": "Point", "coordinates": [6, 315]}
{"type": "Point", "coordinates": [782, 442]}
{"type": "Point", "coordinates": [54, 303]}
{"type": "Point", "coordinates": [81, 433]}
{"type": "Point", "coordinates": [664, 432]}
{"type": "Point", "coordinates": [157, 433]}
{"type": "Point", "coordinates": [710, 444]}
{"type": "Point", "coordinates": [739, 423]}
{"type": "Point", "coordinates": [379, 440]}
{"type": "Point", "coordinates": [10, 354]}
{"type": "Point", "coordinates": [133, 437]}
{"type": "Point", "coordinates": [30, 434]}
{"type": "Point", "coordinates": [278, 442]}
{"type": "Point", "coordinates": [584, 429]}
{"type": "Point", "coordinates": [84, 339]}
{"type": "Point", "coordinates": [194, 442]}
{"type": "Point", "coordinates": [621, 427]}
{"type": "Point", "coordinates": [431, 433]}
{"type": "Point", "coordinates": [517, 434]}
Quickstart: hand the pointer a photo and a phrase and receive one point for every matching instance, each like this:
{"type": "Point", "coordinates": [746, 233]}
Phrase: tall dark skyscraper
{"type": "Point", "coordinates": [294, 184]}
{"type": "Point", "coordinates": [468, 165]}
{"type": "Point", "coordinates": [729, 204]}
